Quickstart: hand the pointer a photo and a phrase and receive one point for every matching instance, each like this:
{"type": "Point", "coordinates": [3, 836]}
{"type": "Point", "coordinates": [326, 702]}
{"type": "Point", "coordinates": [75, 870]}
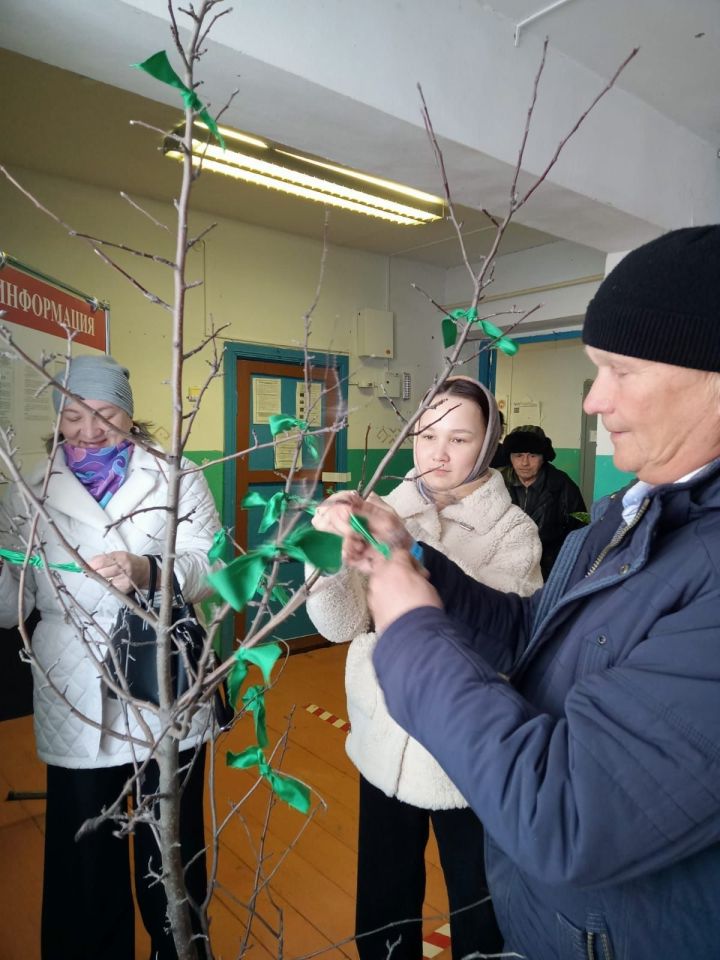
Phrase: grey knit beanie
{"type": "Point", "coordinates": [662, 302]}
{"type": "Point", "coordinates": [98, 378]}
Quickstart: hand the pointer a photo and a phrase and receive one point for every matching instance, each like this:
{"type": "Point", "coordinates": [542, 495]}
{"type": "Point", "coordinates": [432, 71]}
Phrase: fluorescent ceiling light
{"type": "Point", "coordinates": [271, 165]}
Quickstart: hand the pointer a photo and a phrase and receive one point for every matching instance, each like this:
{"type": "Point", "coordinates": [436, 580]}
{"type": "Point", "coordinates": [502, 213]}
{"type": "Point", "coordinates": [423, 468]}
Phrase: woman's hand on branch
{"type": "Point", "coordinates": [125, 571]}
{"type": "Point", "coordinates": [333, 516]}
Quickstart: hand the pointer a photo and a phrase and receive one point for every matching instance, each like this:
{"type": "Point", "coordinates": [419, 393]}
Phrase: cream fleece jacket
{"type": "Point", "coordinates": [491, 540]}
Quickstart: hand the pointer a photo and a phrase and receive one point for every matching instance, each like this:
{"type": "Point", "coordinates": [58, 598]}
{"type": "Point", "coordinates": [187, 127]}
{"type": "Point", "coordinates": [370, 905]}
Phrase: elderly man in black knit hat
{"type": "Point", "coordinates": [546, 494]}
{"type": "Point", "coordinates": [583, 724]}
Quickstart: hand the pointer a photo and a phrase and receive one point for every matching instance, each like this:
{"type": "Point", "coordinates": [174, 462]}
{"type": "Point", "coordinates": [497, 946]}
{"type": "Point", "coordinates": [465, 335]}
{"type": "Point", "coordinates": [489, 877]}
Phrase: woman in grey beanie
{"type": "Point", "coordinates": [107, 495]}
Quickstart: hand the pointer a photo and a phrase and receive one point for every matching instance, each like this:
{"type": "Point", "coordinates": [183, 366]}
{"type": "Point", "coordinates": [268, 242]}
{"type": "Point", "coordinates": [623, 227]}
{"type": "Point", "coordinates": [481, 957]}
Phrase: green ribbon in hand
{"type": "Point", "coordinates": [263, 656]}
{"type": "Point", "coordinates": [19, 557]}
{"type": "Point", "coordinates": [359, 525]}
{"type": "Point", "coordinates": [158, 66]}
{"type": "Point", "coordinates": [279, 423]}
{"type": "Point", "coordinates": [288, 789]}
{"type": "Point", "coordinates": [238, 582]}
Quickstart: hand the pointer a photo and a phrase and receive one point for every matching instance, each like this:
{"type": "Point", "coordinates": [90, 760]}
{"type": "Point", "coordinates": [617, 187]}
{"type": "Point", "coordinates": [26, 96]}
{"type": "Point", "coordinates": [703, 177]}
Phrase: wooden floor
{"type": "Point", "coordinates": [311, 895]}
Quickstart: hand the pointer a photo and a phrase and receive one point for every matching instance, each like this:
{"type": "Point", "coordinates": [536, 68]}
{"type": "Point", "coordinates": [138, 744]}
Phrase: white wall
{"type": "Point", "coordinates": [575, 271]}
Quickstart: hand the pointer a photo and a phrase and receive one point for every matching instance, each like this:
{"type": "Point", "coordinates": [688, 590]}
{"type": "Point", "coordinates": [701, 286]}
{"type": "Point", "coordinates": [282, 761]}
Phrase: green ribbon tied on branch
{"type": "Point", "coordinates": [158, 66]}
{"type": "Point", "coordinates": [263, 656]}
{"type": "Point", "coordinates": [238, 582]}
{"type": "Point", "coordinates": [19, 558]}
{"type": "Point", "coordinates": [219, 544]}
{"type": "Point", "coordinates": [288, 789]}
{"type": "Point", "coordinates": [254, 701]}
{"type": "Point", "coordinates": [279, 423]}
{"type": "Point", "coordinates": [449, 330]}
{"type": "Point", "coordinates": [275, 507]}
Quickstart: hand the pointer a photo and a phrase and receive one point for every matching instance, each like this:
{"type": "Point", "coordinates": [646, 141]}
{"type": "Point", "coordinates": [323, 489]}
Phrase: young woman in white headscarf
{"type": "Point", "coordinates": [455, 502]}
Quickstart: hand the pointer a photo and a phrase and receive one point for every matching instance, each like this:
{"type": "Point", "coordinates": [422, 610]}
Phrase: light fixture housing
{"type": "Point", "coordinates": [278, 167]}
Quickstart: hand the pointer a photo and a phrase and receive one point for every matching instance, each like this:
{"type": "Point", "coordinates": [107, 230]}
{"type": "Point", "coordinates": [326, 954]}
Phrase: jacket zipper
{"type": "Point", "coordinates": [618, 537]}
{"type": "Point", "coordinates": [607, 951]}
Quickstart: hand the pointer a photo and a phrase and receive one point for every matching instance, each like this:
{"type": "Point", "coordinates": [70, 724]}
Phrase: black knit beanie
{"type": "Point", "coordinates": [529, 439]}
{"type": "Point", "coordinates": [662, 302]}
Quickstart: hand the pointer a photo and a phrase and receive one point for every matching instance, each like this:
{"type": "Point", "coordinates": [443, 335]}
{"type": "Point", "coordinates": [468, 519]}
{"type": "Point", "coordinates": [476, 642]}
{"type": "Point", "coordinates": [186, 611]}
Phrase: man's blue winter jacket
{"type": "Point", "coordinates": [596, 768]}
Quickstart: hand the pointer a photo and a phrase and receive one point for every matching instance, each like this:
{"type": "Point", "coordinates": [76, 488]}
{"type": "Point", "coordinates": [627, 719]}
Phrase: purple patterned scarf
{"type": "Point", "coordinates": [102, 472]}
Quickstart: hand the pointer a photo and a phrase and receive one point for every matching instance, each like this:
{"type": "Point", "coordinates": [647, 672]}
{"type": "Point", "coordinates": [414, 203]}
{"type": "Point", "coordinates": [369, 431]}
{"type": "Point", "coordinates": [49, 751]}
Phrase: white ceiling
{"type": "Point", "coordinates": [678, 72]}
{"type": "Point", "coordinates": [90, 99]}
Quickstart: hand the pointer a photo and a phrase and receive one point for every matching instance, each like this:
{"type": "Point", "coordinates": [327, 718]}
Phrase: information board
{"type": "Point", "coordinates": [40, 313]}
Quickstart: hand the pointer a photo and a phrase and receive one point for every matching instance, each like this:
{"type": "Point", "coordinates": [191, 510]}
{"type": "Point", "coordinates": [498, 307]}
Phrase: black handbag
{"type": "Point", "coordinates": [134, 644]}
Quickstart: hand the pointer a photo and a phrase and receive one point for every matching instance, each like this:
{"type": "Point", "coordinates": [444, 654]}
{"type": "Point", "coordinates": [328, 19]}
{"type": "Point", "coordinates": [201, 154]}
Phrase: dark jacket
{"type": "Point", "coordinates": [549, 501]}
{"type": "Point", "coordinates": [596, 769]}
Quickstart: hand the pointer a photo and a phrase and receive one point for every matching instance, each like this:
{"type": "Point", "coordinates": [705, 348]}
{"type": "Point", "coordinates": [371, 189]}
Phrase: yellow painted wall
{"type": "Point", "coordinates": [258, 281]}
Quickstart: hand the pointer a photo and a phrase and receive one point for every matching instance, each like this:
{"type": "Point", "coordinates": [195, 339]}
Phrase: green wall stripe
{"type": "Point", "coordinates": [608, 478]}
{"type": "Point", "coordinates": [401, 462]}
{"type": "Point", "coordinates": [213, 475]}
{"type": "Point", "coordinates": [567, 459]}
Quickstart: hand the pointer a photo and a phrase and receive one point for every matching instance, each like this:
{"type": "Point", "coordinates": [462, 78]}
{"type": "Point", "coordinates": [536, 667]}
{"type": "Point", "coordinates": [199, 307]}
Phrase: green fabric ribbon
{"type": "Point", "coordinates": [238, 582]}
{"type": "Point", "coordinates": [254, 700]}
{"type": "Point", "coordinates": [279, 423]}
{"type": "Point", "coordinates": [280, 594]}
{"type": "Point", "coordinates": [449, 326]}
{"type": "Point", "coordinates": [508, 346]}
{"type": "Point", "coordinates": [158, 66]}
{"type": "Point", "coordinates": [288, 789]}
{"type": "Point", "coordinates": [275, 507]}
{"type": "Point", "coordinates": [359, 525]}
{"type": "Point", "coordinates": [18, 557]}
{"type": "Point", "coordinates": [263, 656]}
{"type": "Point", "coordinates": [449, 330]}
{"type": "Point", "coordinates": [217, 550]}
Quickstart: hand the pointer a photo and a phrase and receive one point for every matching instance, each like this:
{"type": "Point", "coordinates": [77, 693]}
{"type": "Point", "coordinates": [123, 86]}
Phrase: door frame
{"type": "Point", "coordinates": [487, 362]}
{"type": "Point", "coordinates": [234, 351]}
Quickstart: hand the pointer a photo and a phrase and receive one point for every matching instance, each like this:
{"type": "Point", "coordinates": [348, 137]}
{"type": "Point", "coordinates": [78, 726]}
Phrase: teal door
{"type": "Point", "coordinates": [263, 388]}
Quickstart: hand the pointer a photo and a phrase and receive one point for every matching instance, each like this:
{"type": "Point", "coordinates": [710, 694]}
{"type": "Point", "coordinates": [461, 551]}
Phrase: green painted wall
{"type": "Point", "coordinates": [213, 475]}
{"type": "Point", "coordinates": [567, 459]}
{"type": "Point", "coordinates": [398, 467]}
{"type": "Point", "coordinates": [401, 462]}
{"type": "Point", "coordinates": [608, 478]}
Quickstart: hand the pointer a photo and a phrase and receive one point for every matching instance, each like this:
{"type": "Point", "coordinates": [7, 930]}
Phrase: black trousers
{"type": "Point", "coordinates": [88, 911]}
{"type": "Point", "coordinates": [391, 878]}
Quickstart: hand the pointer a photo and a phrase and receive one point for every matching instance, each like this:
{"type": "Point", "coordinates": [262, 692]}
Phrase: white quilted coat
{"type": "Point", "coordinates": [491, 540]}
{"type": "Point", "coordinates": [63, 739]}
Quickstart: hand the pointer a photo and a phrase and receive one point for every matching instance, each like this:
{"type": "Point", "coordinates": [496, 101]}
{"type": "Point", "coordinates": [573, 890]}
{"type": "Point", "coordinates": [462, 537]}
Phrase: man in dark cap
{"type": "Point", "coordinates": [546, 494]}
{"type": "Point", "coordinates": [582, 724]}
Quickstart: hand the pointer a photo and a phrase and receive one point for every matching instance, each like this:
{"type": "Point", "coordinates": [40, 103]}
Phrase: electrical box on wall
{"type": "Point", "coordinates": [389, 385]}
{"type": "Point", "coordinates": [374, 335]}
